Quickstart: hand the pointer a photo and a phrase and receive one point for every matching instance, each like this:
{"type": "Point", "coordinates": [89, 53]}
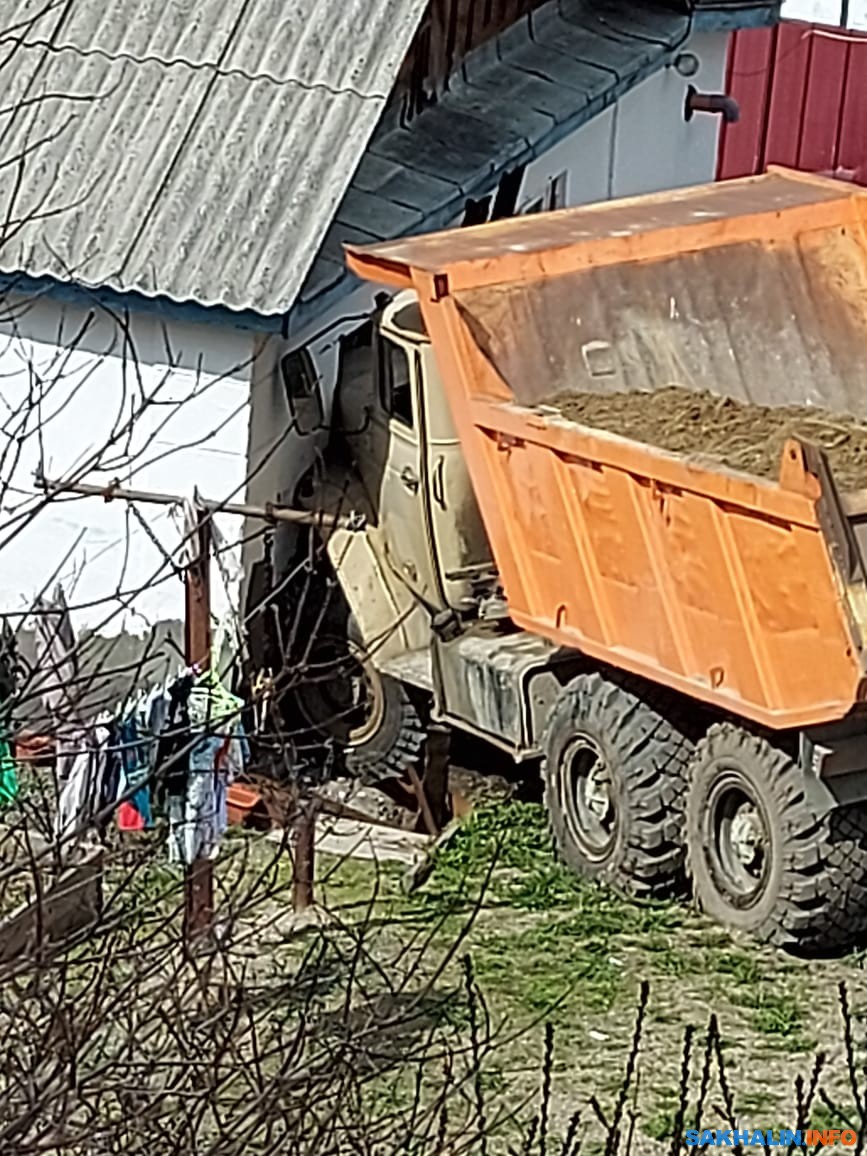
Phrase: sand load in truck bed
{"type": "Point", "coordinates": [741, 436]}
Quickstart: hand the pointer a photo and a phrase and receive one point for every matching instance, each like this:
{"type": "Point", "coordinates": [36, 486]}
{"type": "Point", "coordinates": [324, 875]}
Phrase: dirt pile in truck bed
{"type": "Point", "coordinates": [744, 437]}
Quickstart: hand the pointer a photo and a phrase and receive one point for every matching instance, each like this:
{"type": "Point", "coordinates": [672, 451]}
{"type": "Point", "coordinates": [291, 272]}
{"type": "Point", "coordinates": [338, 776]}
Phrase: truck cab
{"type": "Point", "coordinates": [403, 445]}
{"type": "Point", "coordinates": [414, 595]}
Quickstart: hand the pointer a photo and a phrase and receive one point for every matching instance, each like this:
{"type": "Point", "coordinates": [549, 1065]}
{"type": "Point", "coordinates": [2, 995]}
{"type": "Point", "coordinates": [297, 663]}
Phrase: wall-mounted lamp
{"type": "Point", "coordinates": [717, 102]}
{"type": "Point", "coordinates": [687, 64]}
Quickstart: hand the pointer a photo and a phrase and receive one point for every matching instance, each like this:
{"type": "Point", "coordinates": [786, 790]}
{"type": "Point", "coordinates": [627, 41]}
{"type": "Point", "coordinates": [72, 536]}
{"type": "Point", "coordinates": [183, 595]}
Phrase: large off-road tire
{"type": "Point", "coordinates": [762, 858]}
{"type": "Point", "coordinates": [615, 785]}
{"type": "Point", "coordinates": [372, 720]}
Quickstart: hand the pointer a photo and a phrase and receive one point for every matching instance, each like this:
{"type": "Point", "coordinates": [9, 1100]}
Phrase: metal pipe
{"type": "Point", "coordinates": [716, 102]}
{"type": "Point", "coordinates": [198, 875]}
{"type": "Point", "coordinates": [270, 512]}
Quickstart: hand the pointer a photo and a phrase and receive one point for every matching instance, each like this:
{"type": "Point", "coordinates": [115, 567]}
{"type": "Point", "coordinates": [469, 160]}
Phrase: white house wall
{"type": "Point", "coordinates": [827, 12]}
{"type": "Point", "coordinates": [642, 144]}
{"type": "Point", "coordinates": [92, 380]}
{"type": "Point", "coordinates": [654, 146]}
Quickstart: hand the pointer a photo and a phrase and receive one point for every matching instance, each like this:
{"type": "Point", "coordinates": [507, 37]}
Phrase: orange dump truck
{"type": "Point", "coordinates": [680, 643]}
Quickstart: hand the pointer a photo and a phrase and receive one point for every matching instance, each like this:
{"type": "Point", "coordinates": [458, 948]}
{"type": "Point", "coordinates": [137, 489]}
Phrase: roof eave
{"type": "Point", "coordinates": [726, 19]}
{"type": "Point", "coordinates": [115, 301]}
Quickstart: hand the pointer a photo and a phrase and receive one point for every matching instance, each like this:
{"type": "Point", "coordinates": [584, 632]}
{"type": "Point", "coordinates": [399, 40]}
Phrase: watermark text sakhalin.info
{"type": "Point", "coordinates": [770, 1138]}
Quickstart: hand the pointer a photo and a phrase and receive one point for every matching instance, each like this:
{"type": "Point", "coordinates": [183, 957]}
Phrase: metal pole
{"type": "Point", "coordinates": [432, 790]}
{"type": "Point", "coordinates": [270, 512]}
{"type": "Point", "coordinates": [199, 875]}
{"type": "Point", "coordinates": [436, 773]}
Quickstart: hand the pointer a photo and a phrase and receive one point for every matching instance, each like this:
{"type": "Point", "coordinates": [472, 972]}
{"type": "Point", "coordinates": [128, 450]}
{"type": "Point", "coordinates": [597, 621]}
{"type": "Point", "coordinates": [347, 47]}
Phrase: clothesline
{"type": "Point", "coordinates": [192, 741]}
{"type": "Point", "coordinates": [270, 512]}
{"type": "Point", "coordinates": [169, 751]}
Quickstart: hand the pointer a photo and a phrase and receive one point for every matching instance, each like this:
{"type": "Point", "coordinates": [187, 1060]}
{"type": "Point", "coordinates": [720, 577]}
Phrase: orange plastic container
{"type": "Point", "coordinates": [742, 592]}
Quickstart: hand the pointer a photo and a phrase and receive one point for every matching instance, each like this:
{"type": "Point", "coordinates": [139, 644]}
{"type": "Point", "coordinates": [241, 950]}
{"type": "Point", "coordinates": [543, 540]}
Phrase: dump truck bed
{"type": "Point", "coordinates": [746, 592]}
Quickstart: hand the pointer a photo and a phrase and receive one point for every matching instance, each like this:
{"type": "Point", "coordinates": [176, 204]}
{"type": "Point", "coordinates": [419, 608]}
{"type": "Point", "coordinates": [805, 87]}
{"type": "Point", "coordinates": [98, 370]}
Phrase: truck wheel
{"type": "Point", "coordinates": [615, 786]}
{"type": "Point", "coordinates": [762, 859]}
{"type": "Point", "coordinates": [369, 715]}
{"type": "Point", "coordinates": [394, 736]}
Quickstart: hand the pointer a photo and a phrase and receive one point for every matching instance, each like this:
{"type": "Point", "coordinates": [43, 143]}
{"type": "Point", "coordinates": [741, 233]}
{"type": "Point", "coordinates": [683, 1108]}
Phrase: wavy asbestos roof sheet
{"type": "Point", "coordinates": [191, 149]}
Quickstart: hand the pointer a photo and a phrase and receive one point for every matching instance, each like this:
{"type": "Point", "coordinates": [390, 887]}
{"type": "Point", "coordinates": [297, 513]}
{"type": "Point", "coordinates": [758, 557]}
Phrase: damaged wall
{"type": "Point", "coordinates": [641, 144]}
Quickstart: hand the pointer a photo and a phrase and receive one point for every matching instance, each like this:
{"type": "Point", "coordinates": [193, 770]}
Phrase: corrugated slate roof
{"type": "Point", "coordinates": [512, 99]}
{"type": "Point", "coordinates": [191, 149]}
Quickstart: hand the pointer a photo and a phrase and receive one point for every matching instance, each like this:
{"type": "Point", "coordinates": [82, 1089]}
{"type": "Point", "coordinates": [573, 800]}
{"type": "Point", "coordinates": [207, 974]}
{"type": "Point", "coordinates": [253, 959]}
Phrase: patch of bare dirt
{"type": "Point", "coordinates": [743, 437]}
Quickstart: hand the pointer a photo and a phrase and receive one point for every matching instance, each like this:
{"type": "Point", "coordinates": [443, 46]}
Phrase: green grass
{"type": "Point", "coordinates": [659, 1120]}
{"type": "Point", "coordinates": [561, 929]}
{"type": "Point", "coordinates": [550, 971]}
{"type": "Point", "coordinates": [742, 968]}
{"type": "Point", "coordinates": [527, 876]}
{"type": "Point", "coordinates": [777, 1015]}
{"type": "Point", "coordinates": [547, 946]}
{"type": "Point", "coordinates": [514, 840]}
{"type": "Point", "coordinates": [755, 1103]}
{"type": "Point", "coordinates": [825, 1116]}
{"type": "Point", "coordinates": [773, 1012]}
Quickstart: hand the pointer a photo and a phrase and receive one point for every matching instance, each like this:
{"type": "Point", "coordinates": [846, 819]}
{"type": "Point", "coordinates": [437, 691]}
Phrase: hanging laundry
{"type": "Point", "coordinates": [211, 703]}
{"type": "Point", "coordinates": [193, 832]}
{"type": "Point", "coordinates": [78, 763]}
{"type": "Point", "coordinates": [111, 773]}
{"type": "Point", "coordinates": [59, 682]}
{"type": "Point", "coordinates": [231, 762]}
{"type": "Point", "coordinates": [9, 785]}
{"type": "Point", "coordinates": [172, 760]}
{"type": "Point", "coordinates": [217, 750]}
{"type": "Point", "coordinates": [174, 750]}
{"type": "Point", "coordinates": [9, 678]}
{"type": "Point", "coordinates": [134, 810]}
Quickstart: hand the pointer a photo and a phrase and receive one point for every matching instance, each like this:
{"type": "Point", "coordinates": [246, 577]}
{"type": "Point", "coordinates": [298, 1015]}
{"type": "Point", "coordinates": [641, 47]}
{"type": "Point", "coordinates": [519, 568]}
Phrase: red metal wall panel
{"type": "Point", "coordinates": [749, 61]}
{"type": "Point", "coordinates": [802, 90]}
{"type": "Point", "coordinates": [788, 87]}
{"type": "Point", "coordinates": [852, 150]}
{"type": "Point", "coordinates": [822, 103]}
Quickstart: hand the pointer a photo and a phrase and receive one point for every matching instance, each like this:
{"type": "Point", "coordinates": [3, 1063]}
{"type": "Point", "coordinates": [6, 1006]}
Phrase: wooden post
{"type": "Point", "coordinates": [199, 875]}
{"type": "Point", "coordinates": [303, 859]}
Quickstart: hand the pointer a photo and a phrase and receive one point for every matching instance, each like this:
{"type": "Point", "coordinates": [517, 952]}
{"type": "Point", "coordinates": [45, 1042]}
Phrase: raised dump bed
{"type": "Point", "coordinates": [663, 408]}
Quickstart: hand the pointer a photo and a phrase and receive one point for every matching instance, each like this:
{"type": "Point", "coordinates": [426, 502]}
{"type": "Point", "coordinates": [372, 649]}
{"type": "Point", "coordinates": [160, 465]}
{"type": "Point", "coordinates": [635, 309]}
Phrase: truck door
{"type": "Point", "coordinates": [403, 515]}
{"type": "Point", "coordinates": [461, 544]}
